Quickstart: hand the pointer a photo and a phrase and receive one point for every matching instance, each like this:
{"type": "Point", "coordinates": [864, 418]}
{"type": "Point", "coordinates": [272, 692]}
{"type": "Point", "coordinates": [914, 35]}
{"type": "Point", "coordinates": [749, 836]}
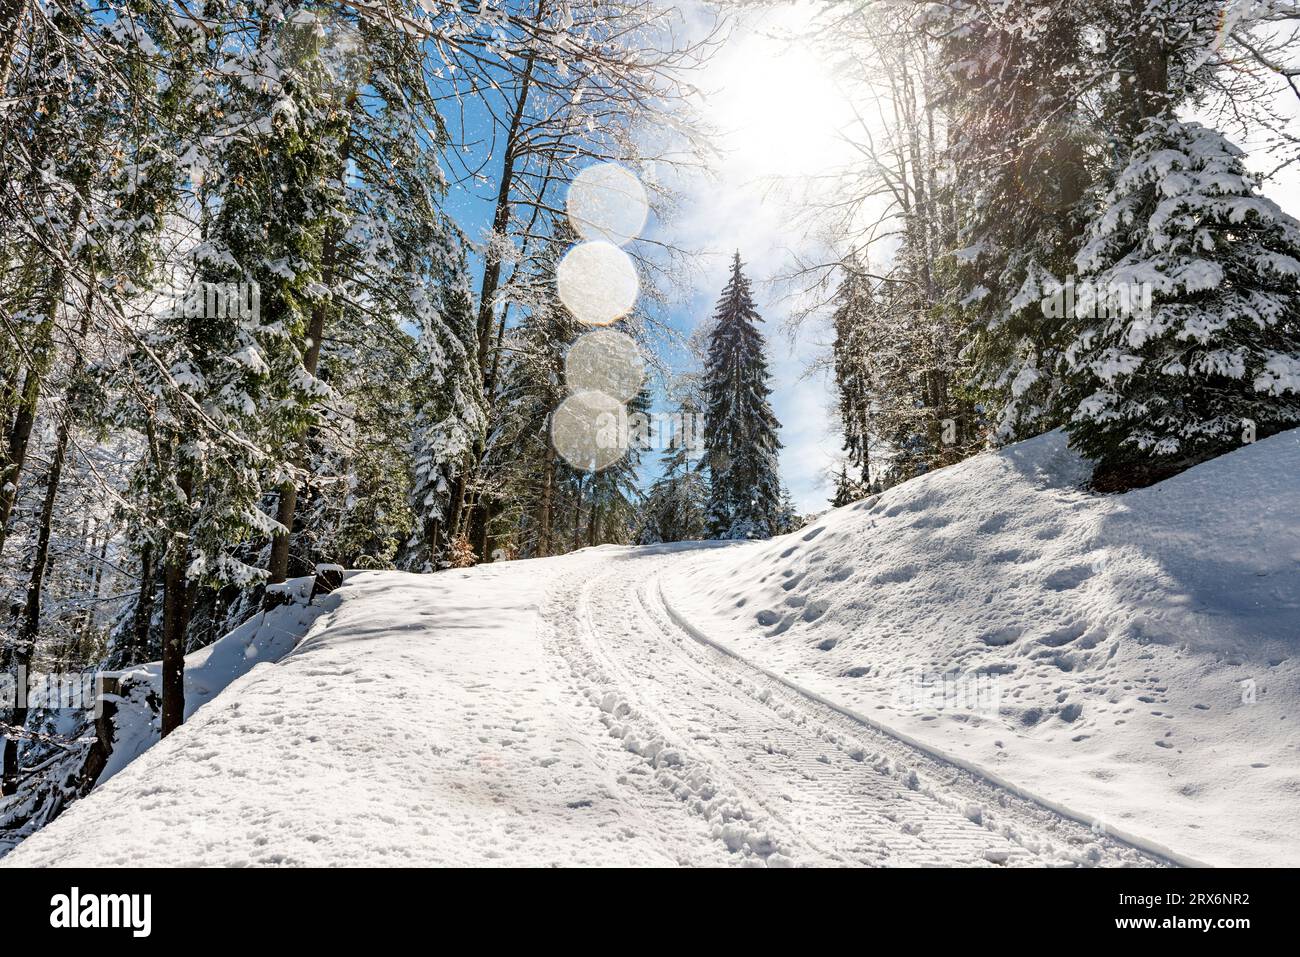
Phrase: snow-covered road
{"type": "Point", "coordinates": [779, 775]}
{"type": "Point", "coordinates": [545, 712]}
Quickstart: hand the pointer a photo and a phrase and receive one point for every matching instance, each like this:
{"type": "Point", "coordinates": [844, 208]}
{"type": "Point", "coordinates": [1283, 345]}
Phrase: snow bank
{"type": "Point", "coordinates": [263, 639]}
{"type": "Point", "coordinates": [1131, 658]}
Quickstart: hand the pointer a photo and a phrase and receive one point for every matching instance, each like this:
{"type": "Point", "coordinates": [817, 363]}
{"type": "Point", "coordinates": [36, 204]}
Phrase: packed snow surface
{"type": "Point", "coordinates": [983, 667]}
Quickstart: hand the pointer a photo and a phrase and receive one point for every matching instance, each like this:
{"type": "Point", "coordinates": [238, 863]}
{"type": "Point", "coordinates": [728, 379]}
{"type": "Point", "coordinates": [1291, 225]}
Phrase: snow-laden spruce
{"type": "Point", "coordinates": [1218, 356]}
{"type": "Point", "coordinates": [1020, 147]}
{"type": "Point", "coordinates": [740, 427]}
{"type": "Point", "coordinates": [855, 354]}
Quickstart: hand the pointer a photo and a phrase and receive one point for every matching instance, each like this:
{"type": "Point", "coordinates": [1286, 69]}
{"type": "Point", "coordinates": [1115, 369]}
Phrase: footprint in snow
{"type": "Point", "coordinates": [901, 574]}
{"type": "Point", "coordinates": [814, 610]}
{"type": "Point", "coordinates": [1070, 713]}
{"type": "Point", "coordinates": [1000, 636]}
{"type": "Point", "coordinates": [1065, 579]}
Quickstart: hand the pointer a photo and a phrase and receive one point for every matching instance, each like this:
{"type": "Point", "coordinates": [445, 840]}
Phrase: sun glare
{"type": "Point", "coordinates": [777, 106]}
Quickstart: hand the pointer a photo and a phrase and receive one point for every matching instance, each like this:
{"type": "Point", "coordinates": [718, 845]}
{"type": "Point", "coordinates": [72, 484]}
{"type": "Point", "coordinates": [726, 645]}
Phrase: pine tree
{"type": "Point", "coordinates": [788, 518]}
{"type": "Point", "coordinates": [847, 491]}
{"type": "Point", "coordinates": [1020, 148]}
{"type": "Point", "coordinates": [740, 429]}
{"type": "Point", "coordinates": [450, 417]}
{"type": "Point", "coordinates": [675, 507]}
{"type": "Point", "coordinates": [1218, 356]}
{"type": "Point", "coordinates": [853, 351]}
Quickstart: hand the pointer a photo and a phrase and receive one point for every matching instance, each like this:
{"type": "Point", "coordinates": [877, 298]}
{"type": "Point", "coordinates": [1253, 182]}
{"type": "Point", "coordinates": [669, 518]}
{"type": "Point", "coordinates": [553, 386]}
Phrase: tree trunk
{"type": "Point", "coordinates": [501, 221]}
{"type": "Point", "coordinates": [30, 628]}
{"type": "Point", "coordinates": [20, 434]}
{"type": "Point", "coordinates": [433, 538]}
{"type": "Point", "coordinates": [492, 259]}
{"type": "Point", "coordinates": [288, 504]}
{"type": "Point", "coordinates": [139, 647]}
{"type": "Point", "coordinates": [544, 543]}
{"type": "Point", "coordinates": [11, 28]}
{"type": "Point", "coordinates": [96, 585]}
{"type": "Point", "coordinates": [456, 527]}
{"type": "Point", "coordinates": [485, 512]}
{"type": "Point", "coordinates": [1150, 64]}
{"type": "Point", "coordinates": [279, 562]}
{"type": "Point", "coordinates": [176, 613]}
{"type": "Point", "coordinates": [577, 517]}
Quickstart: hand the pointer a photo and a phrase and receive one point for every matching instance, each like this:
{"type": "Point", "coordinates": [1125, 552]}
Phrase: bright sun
{"type": "Point", "coordinates": [776, 104]}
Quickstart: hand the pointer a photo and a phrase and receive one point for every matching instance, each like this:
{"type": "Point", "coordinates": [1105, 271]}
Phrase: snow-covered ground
{"type": "Point", "coordinates": [1142, 649]}
{"type": "Point", "coordinates": [422, 721]}
{"type": "Point", "coordinates": [773, 703]}
{"type": "Point", "coordinates": [262, 640]}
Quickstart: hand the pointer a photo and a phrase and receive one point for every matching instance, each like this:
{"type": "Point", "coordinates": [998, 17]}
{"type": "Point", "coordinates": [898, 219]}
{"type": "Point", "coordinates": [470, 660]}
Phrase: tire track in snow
{"type": "Point", "coordinates": [631, 717]}
{"type": "Point", "coordinates": [778, 769]}
{"type": "Point", "coordinates": [780, 775]}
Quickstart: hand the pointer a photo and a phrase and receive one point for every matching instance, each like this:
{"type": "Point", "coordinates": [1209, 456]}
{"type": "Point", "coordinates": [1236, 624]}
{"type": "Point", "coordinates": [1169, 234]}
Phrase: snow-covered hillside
{"type": "Point", "coordinates": [1145, 647]}
{"type": "Point", "coordinates": [778, 702]}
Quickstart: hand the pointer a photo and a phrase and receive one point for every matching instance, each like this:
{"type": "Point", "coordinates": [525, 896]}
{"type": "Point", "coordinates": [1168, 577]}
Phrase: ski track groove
{"type": "Point", "coordinates": [780, 777]}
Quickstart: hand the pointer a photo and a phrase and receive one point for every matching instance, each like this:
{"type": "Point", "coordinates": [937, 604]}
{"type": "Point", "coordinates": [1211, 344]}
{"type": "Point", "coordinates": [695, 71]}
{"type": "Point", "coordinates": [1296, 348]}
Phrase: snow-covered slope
{"type": "Point", "coordinates": [1139, 651]}
{"type": "Point", "coordinates": [264, 639]}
